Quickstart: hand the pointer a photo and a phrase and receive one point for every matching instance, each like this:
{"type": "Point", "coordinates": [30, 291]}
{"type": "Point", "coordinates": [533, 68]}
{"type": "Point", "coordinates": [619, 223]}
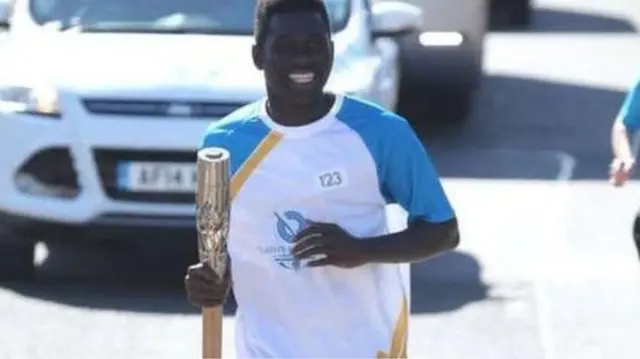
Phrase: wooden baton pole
{"type": "Point", "coordinates": [212, 333]}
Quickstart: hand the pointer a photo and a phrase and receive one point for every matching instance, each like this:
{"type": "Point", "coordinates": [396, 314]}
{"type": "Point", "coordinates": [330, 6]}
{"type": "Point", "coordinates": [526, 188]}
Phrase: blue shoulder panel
{"type": "Point", "coordinates": [239, 132]}
{"type": "Point", "coordinates": [406, 174]}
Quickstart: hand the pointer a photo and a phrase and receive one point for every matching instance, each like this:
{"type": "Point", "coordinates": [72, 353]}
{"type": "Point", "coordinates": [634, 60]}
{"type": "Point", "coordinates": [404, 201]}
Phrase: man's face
{"type": "Point", "coordinates": [297, 55]}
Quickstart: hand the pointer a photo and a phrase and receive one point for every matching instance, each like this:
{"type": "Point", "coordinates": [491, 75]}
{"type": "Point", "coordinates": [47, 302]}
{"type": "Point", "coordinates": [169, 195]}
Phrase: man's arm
{"type": "Point", "coordinates": [628, 120]}
{"type": "Point", "coordinates": [620, 140]}
{"type": "Point", "coordinates": [409, 179]}
{"type": "Point", "coordinates": [420, 241]}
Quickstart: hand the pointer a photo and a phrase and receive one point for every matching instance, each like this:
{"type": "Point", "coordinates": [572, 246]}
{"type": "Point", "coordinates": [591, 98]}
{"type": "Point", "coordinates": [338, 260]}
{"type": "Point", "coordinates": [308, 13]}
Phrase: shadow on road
{"type": "Point", "coordinates": [446, 283]}
{"type": "Point", "coordinates": [552, 20]}
{"type": "Point", "coordinates": [518, 127]}
{"type": "Point", "coordinates": [114, 278]}
{"type": "Point", "coordinates": [443, 284]}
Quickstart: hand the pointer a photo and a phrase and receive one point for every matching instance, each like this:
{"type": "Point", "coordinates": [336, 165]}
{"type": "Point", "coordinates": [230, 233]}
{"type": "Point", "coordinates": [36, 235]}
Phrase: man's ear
{"type": "Point", "coordinates": [258, 56]}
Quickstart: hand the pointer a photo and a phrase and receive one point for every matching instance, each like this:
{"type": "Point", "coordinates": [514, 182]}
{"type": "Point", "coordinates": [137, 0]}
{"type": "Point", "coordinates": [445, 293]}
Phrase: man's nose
{"type": "Point", "coordinates": [302, 60]}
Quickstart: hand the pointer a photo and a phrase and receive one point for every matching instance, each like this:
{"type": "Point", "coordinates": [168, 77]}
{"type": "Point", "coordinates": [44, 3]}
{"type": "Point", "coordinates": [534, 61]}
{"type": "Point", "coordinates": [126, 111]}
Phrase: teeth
{"type": "Point", "coordinates": [302, 78]}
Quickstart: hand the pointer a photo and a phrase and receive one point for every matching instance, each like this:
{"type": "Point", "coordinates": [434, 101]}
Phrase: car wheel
{"type": "Point", "coordinates": [17, 261]}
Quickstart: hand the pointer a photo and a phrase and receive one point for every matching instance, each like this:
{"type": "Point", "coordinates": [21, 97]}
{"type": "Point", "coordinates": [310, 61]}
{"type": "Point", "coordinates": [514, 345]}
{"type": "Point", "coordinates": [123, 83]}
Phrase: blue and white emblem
{"type": "Point", "coordinates": [288, 224]}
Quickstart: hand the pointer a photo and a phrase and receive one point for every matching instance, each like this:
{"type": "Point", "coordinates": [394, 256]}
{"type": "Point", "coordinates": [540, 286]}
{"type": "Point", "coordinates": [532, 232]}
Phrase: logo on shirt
{"type": "Point", "coordinates": [287, 225]}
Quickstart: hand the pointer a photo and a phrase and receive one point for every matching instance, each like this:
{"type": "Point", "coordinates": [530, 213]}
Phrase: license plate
{"type": "Point", "coordinates": [156, 177]}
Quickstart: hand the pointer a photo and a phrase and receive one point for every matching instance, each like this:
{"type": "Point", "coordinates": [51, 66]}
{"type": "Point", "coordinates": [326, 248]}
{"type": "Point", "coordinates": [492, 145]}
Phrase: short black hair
{"type": "Point", "coordinates": [265, 9]}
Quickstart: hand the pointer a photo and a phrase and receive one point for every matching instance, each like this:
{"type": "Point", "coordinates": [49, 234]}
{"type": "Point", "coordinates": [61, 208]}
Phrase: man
{"type": "Point", "coordinates": [627, 121]}
{"type": "Point", "coordinates": [314, 270]}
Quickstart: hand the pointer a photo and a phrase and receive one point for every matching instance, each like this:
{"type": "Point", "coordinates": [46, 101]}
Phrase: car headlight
{"type": "Point", "coordinates": [42, 101]}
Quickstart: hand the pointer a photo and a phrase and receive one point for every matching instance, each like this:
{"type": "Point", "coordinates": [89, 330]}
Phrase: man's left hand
{"type": "Point", "coordinates": [328, 244]}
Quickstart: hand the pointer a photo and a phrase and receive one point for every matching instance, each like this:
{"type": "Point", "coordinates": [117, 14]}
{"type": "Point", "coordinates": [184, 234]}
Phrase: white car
{"type": "Point", "coordinates": [103, 103]}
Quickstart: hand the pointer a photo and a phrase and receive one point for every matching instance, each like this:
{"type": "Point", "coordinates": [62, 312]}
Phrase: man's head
{"type": "Point", "coordinates": [293, 47]}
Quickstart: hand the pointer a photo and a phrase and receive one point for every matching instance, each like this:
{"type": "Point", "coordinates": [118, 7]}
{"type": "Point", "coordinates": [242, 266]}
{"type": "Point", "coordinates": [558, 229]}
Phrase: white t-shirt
{"type": "Point", "coordinates": [344, 168]}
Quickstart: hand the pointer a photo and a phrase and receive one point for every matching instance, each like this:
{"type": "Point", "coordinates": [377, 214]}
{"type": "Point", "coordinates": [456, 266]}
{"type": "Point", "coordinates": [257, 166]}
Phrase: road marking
{"type": "Point", "coordinates": [552, 249]}
{"type": "Point", "coordinates": [567, 166]}
{"type": "Point", "coordinates": [549, 200]}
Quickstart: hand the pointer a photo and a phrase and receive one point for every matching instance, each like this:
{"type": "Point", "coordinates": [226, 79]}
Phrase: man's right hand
{"type": "Point", "coordinates": [619, 171]}
{"type": "Point", "coordinates": [204, 287]}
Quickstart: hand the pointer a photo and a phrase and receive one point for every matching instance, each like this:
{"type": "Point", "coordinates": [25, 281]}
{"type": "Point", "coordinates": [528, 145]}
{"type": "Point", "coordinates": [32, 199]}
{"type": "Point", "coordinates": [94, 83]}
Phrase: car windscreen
{"type": "Point", "coordinates": [179, 16]}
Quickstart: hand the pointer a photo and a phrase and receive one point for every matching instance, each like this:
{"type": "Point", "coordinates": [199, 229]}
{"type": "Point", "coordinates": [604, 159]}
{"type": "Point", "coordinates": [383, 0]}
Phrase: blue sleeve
{"type": "Point", "coordinates": [239, 133]}
{"type": "Point", "coordinates": [630, 111]}
{"type": "Point", "coordinates": [213, 137]}
{"type": "Point", "coordinates": [408, 177]}
{"type": "Point", "coordinates": [216, 135]}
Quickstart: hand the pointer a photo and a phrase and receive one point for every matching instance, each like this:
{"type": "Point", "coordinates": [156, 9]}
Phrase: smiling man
{"type": "Point", "coordinates": [314, 269]}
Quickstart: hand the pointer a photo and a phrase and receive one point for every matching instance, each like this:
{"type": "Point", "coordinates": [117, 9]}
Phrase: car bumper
{"type": "Point", "coordinates": [94, 143]}
{"type": "Point", "coordinates": [105, 227]}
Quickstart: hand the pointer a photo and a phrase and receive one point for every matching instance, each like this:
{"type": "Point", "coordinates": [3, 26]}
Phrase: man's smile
{"type": "Point", "coordinates": [302, 78]}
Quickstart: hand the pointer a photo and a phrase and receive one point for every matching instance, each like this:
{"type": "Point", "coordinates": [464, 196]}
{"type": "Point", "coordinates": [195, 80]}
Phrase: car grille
{"type": "Point", "coordinates": [159, 108]}
{"type": "Point", "coordinates": [107, 161]}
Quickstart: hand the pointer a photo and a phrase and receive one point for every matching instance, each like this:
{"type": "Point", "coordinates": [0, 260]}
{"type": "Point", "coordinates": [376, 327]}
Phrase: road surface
{"type": "Point", "coordinates": [546, 269]}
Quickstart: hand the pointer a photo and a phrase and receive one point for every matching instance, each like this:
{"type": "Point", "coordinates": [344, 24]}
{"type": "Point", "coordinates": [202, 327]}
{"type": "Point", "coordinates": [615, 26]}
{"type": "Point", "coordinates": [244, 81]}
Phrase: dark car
{"type": "Point", "coordinates": [443, 62]}
{"type": "Point", "coordinates": [510, 14]}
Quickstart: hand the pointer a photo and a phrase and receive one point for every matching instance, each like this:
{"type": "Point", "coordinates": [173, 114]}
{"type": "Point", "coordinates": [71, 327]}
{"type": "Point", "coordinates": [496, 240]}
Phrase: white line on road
{"type": "Point", "coordinates": [550, 251]}
{"type": "Point", "coordinates": [567, 166]}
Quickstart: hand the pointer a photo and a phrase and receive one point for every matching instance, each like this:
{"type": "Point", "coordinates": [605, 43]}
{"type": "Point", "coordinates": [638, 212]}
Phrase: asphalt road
{"type": "Point", "coordinates": [546, 269]}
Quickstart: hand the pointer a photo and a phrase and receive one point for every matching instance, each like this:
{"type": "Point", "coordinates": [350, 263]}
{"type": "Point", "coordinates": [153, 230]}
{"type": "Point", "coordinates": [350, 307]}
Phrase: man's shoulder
{"type": "Point", "coordinates": [241, 122]}
{"type": "Point", "coordinates": [370, 119]}
{"type": "Point", "coordinates": [243, 117]}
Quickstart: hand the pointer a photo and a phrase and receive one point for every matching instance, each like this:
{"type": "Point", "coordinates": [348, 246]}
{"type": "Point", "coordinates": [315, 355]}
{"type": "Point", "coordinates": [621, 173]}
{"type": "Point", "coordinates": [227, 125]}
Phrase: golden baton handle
{"type": "Point", "coordinates": [213, 207]}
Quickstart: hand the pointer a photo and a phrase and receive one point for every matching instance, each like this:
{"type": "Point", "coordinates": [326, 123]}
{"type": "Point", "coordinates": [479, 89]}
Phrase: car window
{"type": "Point", "coordinates": [210, 16]}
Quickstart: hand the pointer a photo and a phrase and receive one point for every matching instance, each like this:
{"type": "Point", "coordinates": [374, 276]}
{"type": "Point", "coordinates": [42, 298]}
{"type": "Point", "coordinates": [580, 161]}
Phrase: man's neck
{"type": "Point", "coordinates": [288, 113]}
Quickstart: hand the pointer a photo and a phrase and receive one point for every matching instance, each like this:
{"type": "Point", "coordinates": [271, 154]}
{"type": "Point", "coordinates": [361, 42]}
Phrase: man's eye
{"type": "Point", "coordinates": [315, 43]}
{"type": "Point", "coordinates": [284, 48]}
{"type": "Point", "coordinates": [313, 46]}
{"type": "Point", "coordinates": [299, 47]}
